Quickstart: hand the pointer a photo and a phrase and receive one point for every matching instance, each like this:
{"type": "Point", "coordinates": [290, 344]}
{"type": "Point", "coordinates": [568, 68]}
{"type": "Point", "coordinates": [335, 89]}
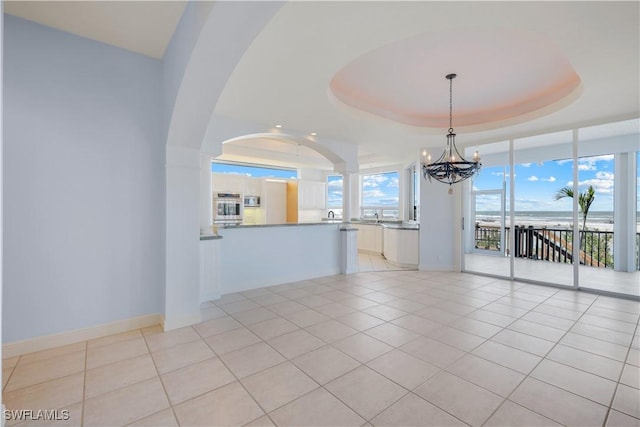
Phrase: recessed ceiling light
{"type": "Point", "coordinates": [279, 126]}
{"type": "Point", "coordinates": [313, 133]}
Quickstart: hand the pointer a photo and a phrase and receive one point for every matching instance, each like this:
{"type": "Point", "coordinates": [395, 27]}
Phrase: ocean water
{"type": "Point", "coordinates": [599, 220]}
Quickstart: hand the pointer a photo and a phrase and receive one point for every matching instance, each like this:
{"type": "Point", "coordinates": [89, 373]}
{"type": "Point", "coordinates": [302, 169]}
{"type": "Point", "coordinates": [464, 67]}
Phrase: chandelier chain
{"type": "Point", "coordinates": [450, 105]}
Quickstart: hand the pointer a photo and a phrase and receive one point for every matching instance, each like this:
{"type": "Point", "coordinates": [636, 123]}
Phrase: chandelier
{"type": "Point", "coordinates": [450, 167]}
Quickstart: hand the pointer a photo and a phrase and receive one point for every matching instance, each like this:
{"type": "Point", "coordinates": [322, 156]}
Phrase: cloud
{"type": "Point", "coordinates": [525, 165]}
{"type": "Point", "coordinates": [550, 179]}
{"type": "Point", "coordinates": [587, 167]}
{"type": "Point", "coordinates": [532, 178]}
{"type": "Point", "coordinates": [590, 163]}
{"type": "Point", "coordinates": [394, 182]}
{"type": "Point", "coordinates": [373, 193]}
{"type": "Point", "coordinates": [602, 183]}
{"type": "Point", "coordinates": [335, 184]}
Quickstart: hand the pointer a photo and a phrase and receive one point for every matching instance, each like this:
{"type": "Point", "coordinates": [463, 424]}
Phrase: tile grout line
{"type": "Point", "coordinates": [545, 358]}
{"type": "Point", "coordinates": [155, 366]}
{"type": "Point", "coordinates": [265, 413]}
{"type": "Point", "coordinates": [615, 391]}
{"type": "Point", "coordinates": [525, 377]}
{"type": "Point", "coordinates": [84, 381]}
{"type": "Point", "coordinates": [528, 375]}
{"type": "Point", "coordinates": [13, 369]}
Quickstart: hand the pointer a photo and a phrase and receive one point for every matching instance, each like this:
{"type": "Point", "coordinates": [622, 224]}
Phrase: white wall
{"type": "Point", "coordinates": [439, 220]}
{"type": "Point", "coordinates": [83, 183]}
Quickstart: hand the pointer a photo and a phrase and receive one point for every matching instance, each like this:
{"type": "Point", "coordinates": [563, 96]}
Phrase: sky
{"type": "Point", "coordinates": [378, 190]}
{"type": "Point", "coordinates": [256, 172]}
{"type": "Point", "coordinates": [537, 183]}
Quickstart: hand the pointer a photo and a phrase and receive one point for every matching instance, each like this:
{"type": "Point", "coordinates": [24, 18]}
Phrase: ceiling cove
{"type": "Point", "coordinates": [504, 76]}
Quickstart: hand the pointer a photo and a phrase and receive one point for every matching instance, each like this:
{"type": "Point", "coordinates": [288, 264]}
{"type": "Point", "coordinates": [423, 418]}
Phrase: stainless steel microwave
{"type": "Point", "coordinates": [251, 201]}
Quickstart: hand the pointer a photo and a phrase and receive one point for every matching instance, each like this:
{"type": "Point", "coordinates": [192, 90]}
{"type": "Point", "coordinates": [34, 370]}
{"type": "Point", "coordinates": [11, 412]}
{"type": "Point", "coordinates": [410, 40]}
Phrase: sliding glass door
{"type": "Point", "coordinates": [607, 194]}
{"type": "Point", "coordinates": [543, 223]}
{"type": "Point", "coordinates": [559, 209]}
{"type": "Point", "coordinates": [486, 229]}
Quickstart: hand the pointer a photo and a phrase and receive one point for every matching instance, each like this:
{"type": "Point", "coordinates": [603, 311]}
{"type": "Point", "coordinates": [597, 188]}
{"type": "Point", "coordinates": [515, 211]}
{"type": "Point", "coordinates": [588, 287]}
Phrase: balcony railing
{"type": "Point", "coordinates": [552, 244]}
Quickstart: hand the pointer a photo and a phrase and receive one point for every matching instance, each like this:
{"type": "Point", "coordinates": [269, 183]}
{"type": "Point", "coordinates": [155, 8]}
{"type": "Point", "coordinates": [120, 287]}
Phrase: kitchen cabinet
{"type": "Point", "coordinates": [312, 195]}
{"type": "Point", "coordinates": [369, 238]}
{"type": "Point", "coordinates": [401, 246]}
{"type": "Point", "coordinates": [227, 183]}
{"type": "Point", "coordinates": [275, 202]}
{"type": "Point", "coordinates": [252, 186]}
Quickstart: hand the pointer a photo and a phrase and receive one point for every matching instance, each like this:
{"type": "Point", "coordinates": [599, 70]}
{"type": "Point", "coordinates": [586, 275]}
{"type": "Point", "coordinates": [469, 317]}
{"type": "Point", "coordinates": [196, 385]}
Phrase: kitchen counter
{"type": "Point", "coordinates": [209, 237]}
{"type": "Point", "coordinates": [289, 224]}
{"type": "Point", "coordinates": [401, 226]}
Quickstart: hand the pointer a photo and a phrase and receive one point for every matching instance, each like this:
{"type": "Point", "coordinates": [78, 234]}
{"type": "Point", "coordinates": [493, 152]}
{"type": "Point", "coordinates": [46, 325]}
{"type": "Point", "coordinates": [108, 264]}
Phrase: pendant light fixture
{"type": "Point", "coordinates": [451, 167]}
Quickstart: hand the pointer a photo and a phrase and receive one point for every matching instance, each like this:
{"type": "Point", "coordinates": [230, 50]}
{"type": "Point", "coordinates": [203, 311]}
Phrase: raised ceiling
{"type": "Point", "coordinates": [285, 75]}
{"type": "Point", "coordinates": [514, 73]}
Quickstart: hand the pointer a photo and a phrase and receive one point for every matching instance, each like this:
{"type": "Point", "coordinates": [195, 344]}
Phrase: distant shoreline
{"type": "Point", "coordinates": [597, 221]}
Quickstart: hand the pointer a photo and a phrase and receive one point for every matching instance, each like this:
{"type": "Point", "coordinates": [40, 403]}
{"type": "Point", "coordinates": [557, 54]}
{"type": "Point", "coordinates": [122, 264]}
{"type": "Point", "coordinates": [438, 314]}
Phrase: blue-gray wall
{"type": "Point", "coordinates": [83, 183]}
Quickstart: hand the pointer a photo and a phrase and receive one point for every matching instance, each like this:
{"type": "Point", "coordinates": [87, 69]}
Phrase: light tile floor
{"type": "Point", "coordinates": [384, 348]}
{"type": "Point", "coordinates": [370, 262]}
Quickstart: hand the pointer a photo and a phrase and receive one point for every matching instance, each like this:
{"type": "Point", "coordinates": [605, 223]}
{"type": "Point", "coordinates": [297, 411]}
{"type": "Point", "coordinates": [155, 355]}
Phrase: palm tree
{"type": "Point", "coordinates": [584, 200]}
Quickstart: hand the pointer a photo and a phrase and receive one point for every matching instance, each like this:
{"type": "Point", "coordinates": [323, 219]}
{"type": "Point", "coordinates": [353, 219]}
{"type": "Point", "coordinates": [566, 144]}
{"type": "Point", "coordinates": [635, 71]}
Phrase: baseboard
{"type": "Point", "coordinates": [437, 267]}
{"type": "Point", "coordinates": [175, 322]}
{"type": "Point", "coordinates": [71, 337]}
{"type": "Point", "coordinates": [209, 296]}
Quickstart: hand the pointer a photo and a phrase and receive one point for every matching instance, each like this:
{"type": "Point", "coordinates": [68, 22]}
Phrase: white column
{"type": "Point", "coordinates": [206, 214]}
{"type": "Point", "coordinates": [624, 212]}
{"type": "Point", "coordinates": [346, 197]}
{"type": "Point", "coordinates": [182, 234]}
{"type": "Point", "coordinates": [349, 244]}
{"type": "Point", "coordinates": [438, 222]}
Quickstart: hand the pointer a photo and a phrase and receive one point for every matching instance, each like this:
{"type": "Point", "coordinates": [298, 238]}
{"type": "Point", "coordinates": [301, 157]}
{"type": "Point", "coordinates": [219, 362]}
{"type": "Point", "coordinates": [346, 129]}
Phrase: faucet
{"type": "Point", "coordinates": [331, 215]}
{"type": "Point", "coordinates": [376, 215]}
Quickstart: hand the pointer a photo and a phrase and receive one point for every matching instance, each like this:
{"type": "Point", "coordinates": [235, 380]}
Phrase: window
{"type": "Point", "coordinates": [380, 196]}
{"type": "Point", "coordinates": [334, 195]}
{"type": "Point", "coordinates": [256, 171]}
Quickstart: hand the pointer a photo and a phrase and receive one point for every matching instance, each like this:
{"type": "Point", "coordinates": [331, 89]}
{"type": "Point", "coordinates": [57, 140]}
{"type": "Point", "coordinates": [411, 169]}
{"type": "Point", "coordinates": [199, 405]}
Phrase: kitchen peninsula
{"type": "Point", "coordinates": [255, 256]}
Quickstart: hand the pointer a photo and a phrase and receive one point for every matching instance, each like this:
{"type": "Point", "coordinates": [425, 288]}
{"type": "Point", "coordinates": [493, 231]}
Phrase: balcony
{"type": "Point", "coordinates": [552, 244]}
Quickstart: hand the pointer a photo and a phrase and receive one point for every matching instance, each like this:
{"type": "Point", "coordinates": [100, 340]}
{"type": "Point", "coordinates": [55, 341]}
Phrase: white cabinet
{"type": "Point", "coordinates": [227, 183]}
{"type": "Point", "coordinates": [253, 186]}
{"type": "Point", "coordinates": [401, 246]}
{"type": "Point", "coordinates": [275, 202]}
{"type": "Point", "coordinates": [369, 238]}
{"type": "Point", "coordinates": [312, 195]}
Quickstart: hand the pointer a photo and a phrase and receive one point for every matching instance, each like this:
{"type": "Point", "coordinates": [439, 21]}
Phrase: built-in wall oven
{"type": "Point", "coordinates": [227, 208]}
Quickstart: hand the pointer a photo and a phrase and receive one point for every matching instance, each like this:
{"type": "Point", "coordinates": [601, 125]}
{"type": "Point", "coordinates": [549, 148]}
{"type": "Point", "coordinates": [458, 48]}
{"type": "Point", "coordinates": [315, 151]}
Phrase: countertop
{"type": "Point", "coordinates": [401, 226]}
{"type": "Point", "coordinates": [396, 225]}
{"type": "Point", "coordinates": [209, 237]}
{"type": "Point", "coordinates": [288, 224]}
